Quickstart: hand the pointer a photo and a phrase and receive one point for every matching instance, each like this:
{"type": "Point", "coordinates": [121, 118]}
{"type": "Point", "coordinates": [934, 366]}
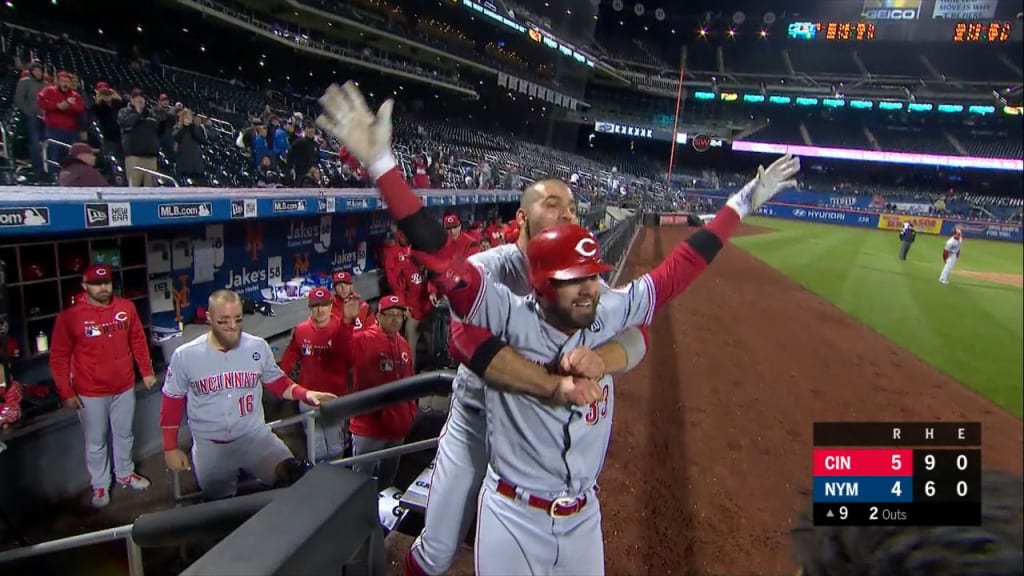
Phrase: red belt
{"type": "Point", "coordinates": [559, 507]}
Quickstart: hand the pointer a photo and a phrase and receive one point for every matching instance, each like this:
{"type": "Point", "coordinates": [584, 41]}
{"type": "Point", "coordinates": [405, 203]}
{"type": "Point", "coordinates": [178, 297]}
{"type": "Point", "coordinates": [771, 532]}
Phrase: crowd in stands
{"type": "Point", "coordinates": [144, 126]}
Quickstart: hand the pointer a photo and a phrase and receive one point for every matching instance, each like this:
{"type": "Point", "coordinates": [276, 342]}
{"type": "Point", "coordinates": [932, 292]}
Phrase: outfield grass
{"type": "Point", "coordinates": [970, 329]}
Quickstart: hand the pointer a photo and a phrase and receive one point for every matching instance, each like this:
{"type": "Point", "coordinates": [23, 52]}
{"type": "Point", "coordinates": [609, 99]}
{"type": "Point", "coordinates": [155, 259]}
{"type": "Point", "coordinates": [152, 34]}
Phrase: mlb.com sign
{"type": "Point", "coordinates": [891, 10]}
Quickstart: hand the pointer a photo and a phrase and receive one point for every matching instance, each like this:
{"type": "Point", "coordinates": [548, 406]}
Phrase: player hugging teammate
{"type": "Point", "coordinates": [538, 506]}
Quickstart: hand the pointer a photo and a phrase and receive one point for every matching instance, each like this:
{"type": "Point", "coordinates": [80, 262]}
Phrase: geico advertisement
{"type": "Point", "coordinates": [891, 10]}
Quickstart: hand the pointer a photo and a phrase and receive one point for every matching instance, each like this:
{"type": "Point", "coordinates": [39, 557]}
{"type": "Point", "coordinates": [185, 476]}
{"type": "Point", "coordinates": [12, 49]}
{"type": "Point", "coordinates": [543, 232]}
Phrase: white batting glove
{"type": "Point", "coordinates": [768, 182]}
{"type": "Point", "coordinates": [367, 136]}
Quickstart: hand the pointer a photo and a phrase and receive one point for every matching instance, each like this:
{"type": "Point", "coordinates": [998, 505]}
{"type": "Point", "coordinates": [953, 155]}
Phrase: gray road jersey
{"type": "Point", "coordinates": [507, 265]}
{"type": "Point", "coordinates": [535, 446]}
{"type": "Point", "coordinates": [223, 390]}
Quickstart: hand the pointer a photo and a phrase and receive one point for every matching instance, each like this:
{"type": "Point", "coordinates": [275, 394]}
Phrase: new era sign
{"type": "Point", "coordinates": [108, 215]}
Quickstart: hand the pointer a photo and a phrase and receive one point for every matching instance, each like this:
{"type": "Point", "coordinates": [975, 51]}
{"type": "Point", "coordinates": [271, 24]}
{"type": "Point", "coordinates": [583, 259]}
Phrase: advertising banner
{"type": "Point", "coordinates": [187, 264]}
{"type": "Point", "coordinates": [986, 230]}
{"type": "Point", "coordinates": [923, 224]}
{"type": "Point", "coordinates": [824, 215]}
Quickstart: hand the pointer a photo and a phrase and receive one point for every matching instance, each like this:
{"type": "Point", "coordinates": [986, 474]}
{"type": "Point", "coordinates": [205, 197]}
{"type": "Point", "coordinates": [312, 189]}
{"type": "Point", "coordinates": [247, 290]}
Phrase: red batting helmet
{"type": "Point", "coordinates": [563, 252]}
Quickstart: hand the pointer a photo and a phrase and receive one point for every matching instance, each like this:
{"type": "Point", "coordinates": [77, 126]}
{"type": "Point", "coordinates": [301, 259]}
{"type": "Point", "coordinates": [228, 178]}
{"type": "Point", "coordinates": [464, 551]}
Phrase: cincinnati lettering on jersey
{"type": "Point", "coordinates": [225, 381]}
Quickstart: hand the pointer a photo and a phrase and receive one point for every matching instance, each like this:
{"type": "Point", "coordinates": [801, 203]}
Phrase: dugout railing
{"type": "Point", "coordinates": [213, 520]}
{"type": "Point", "coordinates": [238, 519]}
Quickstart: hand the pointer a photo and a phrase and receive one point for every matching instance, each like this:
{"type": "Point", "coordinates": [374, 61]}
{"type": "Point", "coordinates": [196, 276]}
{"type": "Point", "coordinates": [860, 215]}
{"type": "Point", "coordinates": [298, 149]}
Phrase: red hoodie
{"type": "Point", "coordinates": [324, 356]}
{"type": "Point", "coordinates": [383, 359]}
{"type": "Point", "coordinates": [414, 288]}
{"type": "Point", "coordinates": [68, 119]}
{"type": "Point", "coordinates": [364, 320]}
{"type": "Point", "coordinates": [93, 346]}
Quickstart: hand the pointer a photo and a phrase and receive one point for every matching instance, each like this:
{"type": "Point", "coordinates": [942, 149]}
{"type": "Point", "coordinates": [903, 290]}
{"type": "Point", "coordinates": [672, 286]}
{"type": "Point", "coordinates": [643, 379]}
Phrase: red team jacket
{"type": "Point", "coordinates": [48, 99]}
{"type": "Point", "coordinates": [322, 353]}
{"type": "Point", "coordinates": [363, 320]}
{"type": "Point", "coordinates": [420, 179]}
{"type": "Point", "coordinates": [381, 359]}
{"type": "Point", "coordinates": [415, 289]}
{"type": "Point", "coordinates": [93, 346]}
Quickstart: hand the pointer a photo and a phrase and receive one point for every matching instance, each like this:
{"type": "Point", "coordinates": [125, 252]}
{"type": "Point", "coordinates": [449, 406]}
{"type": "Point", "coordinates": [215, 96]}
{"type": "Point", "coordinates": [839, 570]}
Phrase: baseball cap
{"type": "Point", "coordinates": [341, 276]}
{"type": "Point", "coordinates": [64, 74]}
{"type": "Point", "coordinates": [451, 221]}
{"type": "Point", "coordinates": [319, 295]}
{"type": "Point", "coordinates": [102, 86]}
{"type": "Point", "coordinates": [97, 274]}
{"type": "Point", "coordinates": [388, 302]}
{"type": "Point", "coordinates": [80, 148]}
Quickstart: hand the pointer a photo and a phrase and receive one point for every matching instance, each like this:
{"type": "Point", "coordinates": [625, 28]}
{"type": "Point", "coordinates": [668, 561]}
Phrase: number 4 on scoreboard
{"type": "Point", "coordinates": [897, 488]}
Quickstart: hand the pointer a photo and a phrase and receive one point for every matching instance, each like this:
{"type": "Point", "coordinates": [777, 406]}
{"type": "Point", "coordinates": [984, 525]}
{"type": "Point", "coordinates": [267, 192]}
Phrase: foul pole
{"type": "Point", "coordinates": [675, 124]}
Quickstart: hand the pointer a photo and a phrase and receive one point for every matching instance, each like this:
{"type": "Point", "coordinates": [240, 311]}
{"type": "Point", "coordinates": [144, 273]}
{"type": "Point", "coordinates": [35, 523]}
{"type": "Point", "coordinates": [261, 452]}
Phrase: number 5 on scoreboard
{"type": "Point", "coordinates": [897, 488]}
{"type": "Point", "coordinates": [897, 461]}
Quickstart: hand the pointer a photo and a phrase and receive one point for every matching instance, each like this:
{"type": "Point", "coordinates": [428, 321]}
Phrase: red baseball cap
{"type": "Point", "coordinates": [64, 74]}
{"type": "Point", "coordinates": [98, 274]}
{"type": "Point", "coordinates": [319, 295]}
{"type": "Point", "coordinates": [451, 221]}
{"type": "Point", "coordinates": [102, 86]}
{"type": "Point", "coordinates": [388, 302]}
{"type": "Point", "coordinates": [342, 277]}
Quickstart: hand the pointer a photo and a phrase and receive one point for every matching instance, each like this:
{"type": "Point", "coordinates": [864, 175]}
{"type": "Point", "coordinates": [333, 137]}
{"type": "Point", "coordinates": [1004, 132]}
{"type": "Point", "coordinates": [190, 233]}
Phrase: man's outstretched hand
{"type": "Point", "coordinates": [347, 116]}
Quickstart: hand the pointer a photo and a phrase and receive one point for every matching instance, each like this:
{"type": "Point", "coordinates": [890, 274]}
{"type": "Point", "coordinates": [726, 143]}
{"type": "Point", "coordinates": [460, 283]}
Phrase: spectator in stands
{"type": "Point", "coordinates": [189, 139]}
{"type": "Point", "coordinates": [420, 179]}
{"type": "Point", "coordinates": [78, 168]}
{"type": "Point", "coordinates": [266, 176]}
{"type": "Point", "coordinates": [261, 148]}
{"type": "Point", "coordinates": [62, 110]}
{"type": "Point", "coordinates": [140, 137]}
{"type": "Point", "coordinates": [279, 141]}
{"type": "Point", "coordinates": [483, 174]}
{"type": "Point", "coordinates": [436, 172]}
{"type": "Point", "coordinates": [25, 99]}
{"type": "Point", "coordinates": [106, 105]}
{"type": "Point", "coordinates": [311, 179]}
{"type": "Point", "coordinates": [83, 119]}
{"type": "Point", "coordinates": [304, 153]}
{"type": "Point", "coordinates": [167, 118]}
{"type": "Point", "coordinates": [512, 179]}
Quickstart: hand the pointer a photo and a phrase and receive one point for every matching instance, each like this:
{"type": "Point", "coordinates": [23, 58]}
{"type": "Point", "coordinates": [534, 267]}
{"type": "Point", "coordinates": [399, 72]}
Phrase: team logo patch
{"type": "Point", "coordinates": [256, 356]}
{"type": "Point", "coordinates": [596, 326]}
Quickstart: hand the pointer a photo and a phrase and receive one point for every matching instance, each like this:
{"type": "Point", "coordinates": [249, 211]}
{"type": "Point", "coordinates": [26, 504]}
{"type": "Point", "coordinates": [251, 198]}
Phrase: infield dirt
{"type": "Point", "coordinates": [711, 445]}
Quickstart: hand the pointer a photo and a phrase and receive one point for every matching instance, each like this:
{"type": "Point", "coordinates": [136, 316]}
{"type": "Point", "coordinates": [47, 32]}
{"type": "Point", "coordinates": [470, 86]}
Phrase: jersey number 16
{"type": "Point", "coordinates": [245, 404]}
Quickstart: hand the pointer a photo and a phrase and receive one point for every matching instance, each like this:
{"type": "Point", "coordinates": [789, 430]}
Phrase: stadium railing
{"type": "Point", "coordinates": [215, 519]}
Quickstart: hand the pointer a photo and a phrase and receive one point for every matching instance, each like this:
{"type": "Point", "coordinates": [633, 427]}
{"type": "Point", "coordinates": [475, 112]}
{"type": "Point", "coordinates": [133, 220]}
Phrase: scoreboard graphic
{"type": "Point", "coordinates": [897, 474]}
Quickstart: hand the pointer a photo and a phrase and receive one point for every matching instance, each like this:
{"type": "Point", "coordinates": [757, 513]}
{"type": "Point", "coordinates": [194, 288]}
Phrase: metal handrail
{"type": "Point", "coordinates": [3, 141]}
{"type": "Point", "coordinates": [156, 174]}
{"type": "Point", "coordinates": [77, 541]}
{"type": "Point", "coordinates": [387, 452]}
{"type": "Point", "coordinates": [347, 406]}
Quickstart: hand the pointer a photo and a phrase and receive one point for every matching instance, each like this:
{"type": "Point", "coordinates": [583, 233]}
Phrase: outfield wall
{"type": "Point", "coordinates": [819, 211]}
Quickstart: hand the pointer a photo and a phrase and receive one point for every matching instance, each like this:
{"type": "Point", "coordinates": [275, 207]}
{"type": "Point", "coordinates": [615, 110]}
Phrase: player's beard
{"type": "Point", "coordinates": [572, 318]}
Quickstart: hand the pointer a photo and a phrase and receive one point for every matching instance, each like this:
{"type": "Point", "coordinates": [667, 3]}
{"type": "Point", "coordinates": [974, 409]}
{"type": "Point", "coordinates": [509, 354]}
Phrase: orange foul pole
{"type": "Point", "coordinates": [679, 107]}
